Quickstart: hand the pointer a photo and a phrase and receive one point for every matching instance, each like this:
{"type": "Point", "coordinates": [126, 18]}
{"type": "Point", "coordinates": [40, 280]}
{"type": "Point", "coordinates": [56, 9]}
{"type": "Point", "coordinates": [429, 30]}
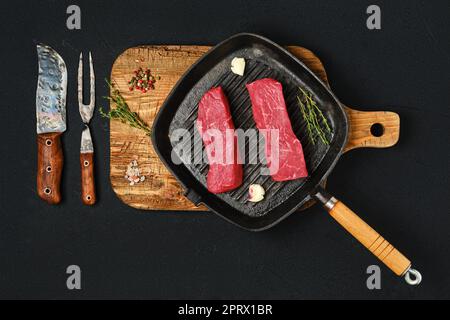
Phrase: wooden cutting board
{"type": "Point", "coordinates": [160, 190]}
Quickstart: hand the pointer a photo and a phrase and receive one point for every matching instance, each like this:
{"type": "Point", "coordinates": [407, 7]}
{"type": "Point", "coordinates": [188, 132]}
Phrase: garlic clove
{"type": "Point", "coordinates": [238, 66]}
{"type": "Point", "coordinates": [256, 193]}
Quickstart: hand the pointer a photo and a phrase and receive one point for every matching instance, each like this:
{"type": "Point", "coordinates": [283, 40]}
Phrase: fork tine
{"type": "Point", "coordinates": [92, 81]}
{"type": "Point", "coordinates": [80, 80]}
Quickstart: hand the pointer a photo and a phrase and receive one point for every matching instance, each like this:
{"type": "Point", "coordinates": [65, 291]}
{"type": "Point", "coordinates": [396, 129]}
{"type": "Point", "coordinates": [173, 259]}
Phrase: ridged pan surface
{"type": "Point", "coordinates": [264, 59]}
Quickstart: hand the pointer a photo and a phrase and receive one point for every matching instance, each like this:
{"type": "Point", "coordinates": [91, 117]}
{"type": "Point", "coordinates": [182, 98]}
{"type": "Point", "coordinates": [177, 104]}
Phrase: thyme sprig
{"type": "Point", "coordinates": [316, 123]}
{"type": "Point", "coordinates": [122, 111]}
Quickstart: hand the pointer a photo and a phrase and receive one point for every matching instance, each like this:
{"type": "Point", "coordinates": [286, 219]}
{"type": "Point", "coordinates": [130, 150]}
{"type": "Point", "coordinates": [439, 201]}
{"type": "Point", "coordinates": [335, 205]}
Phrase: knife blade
{"type": "Point", "coordinates": [88, 195]}
{"type": "Point", "coordinates": [51, 122]}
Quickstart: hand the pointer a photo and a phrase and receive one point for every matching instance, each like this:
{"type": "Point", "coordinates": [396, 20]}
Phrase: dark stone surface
{"type": "Point", "coordinates": [125, 253]}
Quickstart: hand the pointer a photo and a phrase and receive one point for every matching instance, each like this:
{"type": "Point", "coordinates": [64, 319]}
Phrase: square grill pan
{"type": "Point", "coordinates": [263, 59]}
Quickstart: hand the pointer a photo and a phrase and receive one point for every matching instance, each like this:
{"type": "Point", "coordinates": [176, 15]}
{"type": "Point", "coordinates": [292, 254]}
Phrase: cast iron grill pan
{"type": "Point", "coordinates": [263, 59]}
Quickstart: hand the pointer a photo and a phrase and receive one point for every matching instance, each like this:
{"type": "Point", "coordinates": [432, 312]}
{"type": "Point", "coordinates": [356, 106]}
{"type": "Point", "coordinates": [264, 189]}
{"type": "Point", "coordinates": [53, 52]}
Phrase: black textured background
{"type": "Point", "coordinates": [125, 253]}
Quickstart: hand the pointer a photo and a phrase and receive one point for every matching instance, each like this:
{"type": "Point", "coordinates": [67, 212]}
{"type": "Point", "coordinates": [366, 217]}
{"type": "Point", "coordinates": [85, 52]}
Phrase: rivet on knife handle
{"type": "Point", "coordinates": [50, 165]}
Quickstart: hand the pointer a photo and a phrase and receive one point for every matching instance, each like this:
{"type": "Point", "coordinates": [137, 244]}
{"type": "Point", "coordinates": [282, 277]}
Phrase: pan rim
{"type": "Point", "coordinates": [338, 152]}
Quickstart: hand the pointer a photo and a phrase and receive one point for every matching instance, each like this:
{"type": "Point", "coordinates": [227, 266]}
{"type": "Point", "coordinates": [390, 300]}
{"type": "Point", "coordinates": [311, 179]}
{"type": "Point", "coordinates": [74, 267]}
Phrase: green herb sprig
{"type": "Point", "coordinates": [316, 123]}
{"type": "Point", "coordinates": [122, 111]}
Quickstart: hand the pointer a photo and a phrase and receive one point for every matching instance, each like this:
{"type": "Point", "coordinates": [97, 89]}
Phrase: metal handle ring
{"type": "Point", "coordinates": [416, 277]}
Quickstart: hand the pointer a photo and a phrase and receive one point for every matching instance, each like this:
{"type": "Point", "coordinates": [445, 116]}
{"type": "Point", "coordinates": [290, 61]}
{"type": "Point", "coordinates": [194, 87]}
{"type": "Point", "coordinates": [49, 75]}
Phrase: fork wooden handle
{"type": "Point", "coordinates": [87, 178]}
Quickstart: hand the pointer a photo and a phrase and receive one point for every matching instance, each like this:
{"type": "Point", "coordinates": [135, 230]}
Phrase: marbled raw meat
{"type": "Point", "coordinates": [269, 112]}
{"type": "Point", "coordinates": [225, 173]}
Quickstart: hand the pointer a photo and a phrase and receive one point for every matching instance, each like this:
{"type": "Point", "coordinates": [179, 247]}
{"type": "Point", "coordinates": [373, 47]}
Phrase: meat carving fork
{"type": "Point", "coordinates": [87, 147]}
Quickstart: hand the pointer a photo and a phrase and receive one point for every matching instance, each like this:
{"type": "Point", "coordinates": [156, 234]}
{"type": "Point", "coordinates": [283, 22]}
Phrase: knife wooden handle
{"type": "Point", "coordinates": [50, 165]}
{"type": "Point", "coordinates": [87, 178]}
{"type": "Point", "coordinates": [373, 241]}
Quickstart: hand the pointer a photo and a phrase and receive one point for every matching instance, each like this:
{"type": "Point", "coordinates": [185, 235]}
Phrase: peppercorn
{"type": "Point", "coordinates": [142, 80]}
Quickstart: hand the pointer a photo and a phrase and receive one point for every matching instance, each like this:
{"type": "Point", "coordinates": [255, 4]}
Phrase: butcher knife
{"type": "Point", "coordinates": [51, 122]}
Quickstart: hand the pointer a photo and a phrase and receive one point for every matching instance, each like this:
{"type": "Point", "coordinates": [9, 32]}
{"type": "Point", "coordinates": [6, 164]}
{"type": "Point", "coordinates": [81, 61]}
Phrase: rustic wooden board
{"type": "Point", "coordinates": [160, 190]}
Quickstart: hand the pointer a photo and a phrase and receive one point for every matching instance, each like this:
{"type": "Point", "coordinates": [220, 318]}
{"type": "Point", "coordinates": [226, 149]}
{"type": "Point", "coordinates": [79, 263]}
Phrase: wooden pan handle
{"type": "Point", "coordinates": [49, 166]}
{"type": "Point", "coordinates": [87, 178]}
{"type": "Point", "coordinates": [378, 129]}
{"type": "Point", "coordinates": [371, 239]}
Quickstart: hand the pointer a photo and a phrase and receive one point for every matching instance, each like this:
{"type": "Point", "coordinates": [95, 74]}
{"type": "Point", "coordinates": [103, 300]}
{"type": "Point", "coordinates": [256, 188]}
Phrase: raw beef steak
{"type": "Point", "coordinates": [216, 128]}
{"type": "Point", "coordinates": [284, 152]}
